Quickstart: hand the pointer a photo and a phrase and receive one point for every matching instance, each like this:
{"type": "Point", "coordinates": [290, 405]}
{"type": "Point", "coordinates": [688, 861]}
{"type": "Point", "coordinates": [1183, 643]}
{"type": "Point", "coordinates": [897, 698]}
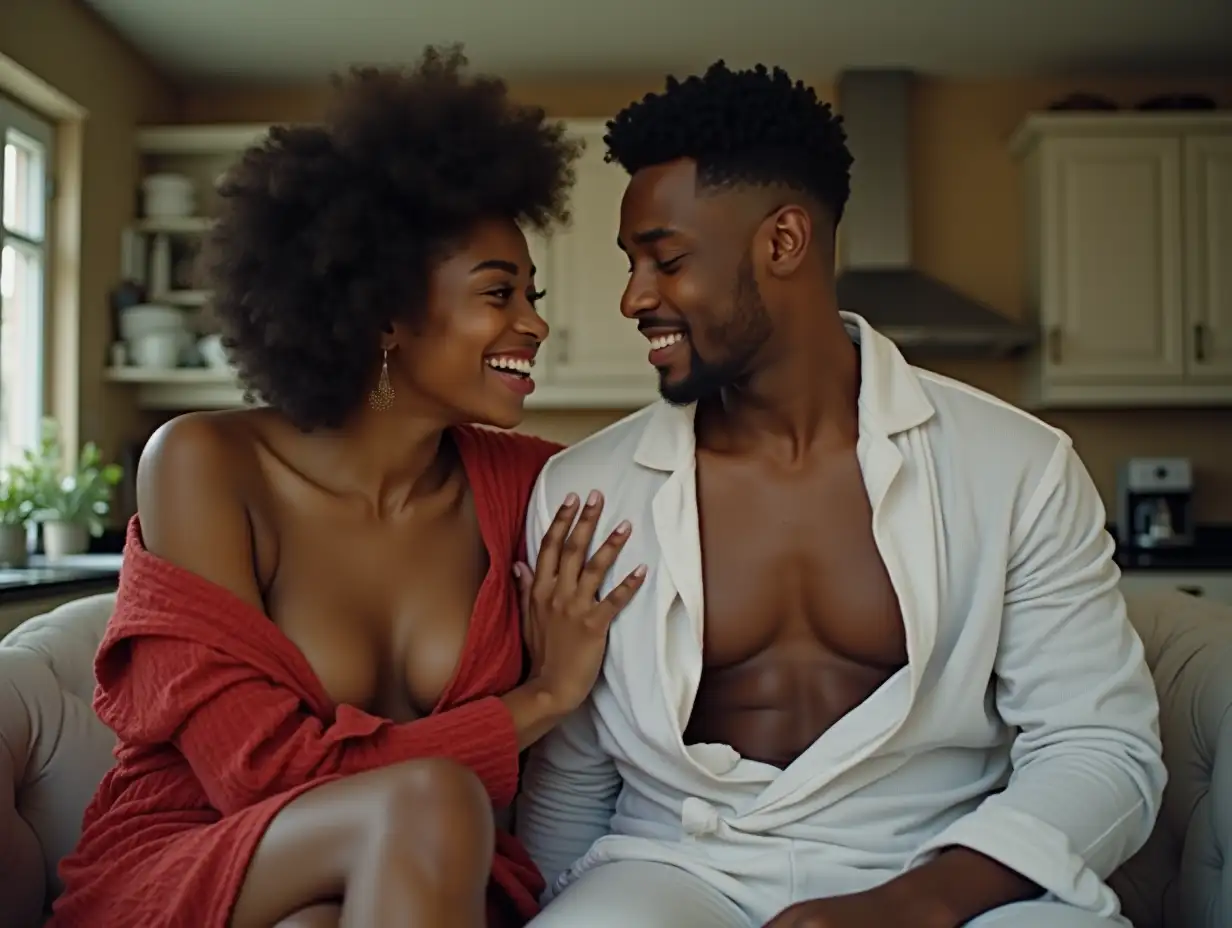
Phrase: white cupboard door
{"type": "Point", "coordinates": [1112, 299]}
{"type": "Point", "coordinates": [1208, 244]}
{"type": "Point", "coordinates": [592, 344]}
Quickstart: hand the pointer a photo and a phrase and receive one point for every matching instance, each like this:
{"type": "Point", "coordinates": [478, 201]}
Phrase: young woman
{"type": "Point", "coordinates": [316, 668]}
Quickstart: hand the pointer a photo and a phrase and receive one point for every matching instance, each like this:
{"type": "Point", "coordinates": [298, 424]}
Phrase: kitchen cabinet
{"type": "Point", "coordinates": [1129, 258]}
{"type": "Point", "coordinates": [594, 356]}
{"type": "Point", "coordinates": [593, 359]}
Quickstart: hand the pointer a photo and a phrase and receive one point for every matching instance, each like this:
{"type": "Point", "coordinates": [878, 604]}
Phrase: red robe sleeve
{"type": "Point", "coordinates": [248, 738]}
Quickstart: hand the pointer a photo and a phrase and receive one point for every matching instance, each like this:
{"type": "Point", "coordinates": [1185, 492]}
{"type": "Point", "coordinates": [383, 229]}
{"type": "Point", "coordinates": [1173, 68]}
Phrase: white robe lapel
{"type": "Point", "coordinates": [679, 643]}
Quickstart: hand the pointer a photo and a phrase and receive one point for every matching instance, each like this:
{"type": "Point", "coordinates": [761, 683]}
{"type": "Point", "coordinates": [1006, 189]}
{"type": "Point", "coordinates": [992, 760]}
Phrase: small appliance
{"type": "Point", "coordinates": [1155, 502]}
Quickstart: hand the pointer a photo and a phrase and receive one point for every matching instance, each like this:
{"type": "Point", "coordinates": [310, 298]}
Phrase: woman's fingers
{"type": "Point", "coordinates": [524, 577]}
{"type": "Point", "coordinates": [548, 562]}
{"type": "Point", "coordinates": [597, 567]}
{"type": "Point", "coordinates": [577, 545]}
{"type": "Point", "coordinates": [611, 604]}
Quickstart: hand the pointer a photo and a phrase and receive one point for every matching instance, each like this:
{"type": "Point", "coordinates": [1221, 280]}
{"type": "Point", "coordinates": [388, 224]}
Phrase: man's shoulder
{"type": "Point", "coordinates": [986, 424]}
{"type": "Point", "coordinates": [609, 450]}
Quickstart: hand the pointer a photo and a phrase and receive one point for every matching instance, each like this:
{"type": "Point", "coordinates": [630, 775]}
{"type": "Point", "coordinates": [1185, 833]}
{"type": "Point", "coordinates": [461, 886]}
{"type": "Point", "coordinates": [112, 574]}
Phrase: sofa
{"type": "Point", "coordinates": [54, 751]}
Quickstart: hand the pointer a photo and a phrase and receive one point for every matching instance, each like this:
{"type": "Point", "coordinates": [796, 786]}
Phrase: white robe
{"type": "Point", "coordinates": [1024, 726]}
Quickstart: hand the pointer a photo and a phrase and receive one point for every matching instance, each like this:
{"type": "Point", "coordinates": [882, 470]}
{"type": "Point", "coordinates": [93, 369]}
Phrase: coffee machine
{"type": "Point", "coordinates": [1154, 503]}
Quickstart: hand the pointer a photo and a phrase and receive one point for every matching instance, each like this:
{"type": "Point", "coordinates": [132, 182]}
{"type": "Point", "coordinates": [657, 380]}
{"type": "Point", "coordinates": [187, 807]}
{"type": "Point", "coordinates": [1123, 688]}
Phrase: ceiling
{"type": "Point", "coordinates": [291, 41]}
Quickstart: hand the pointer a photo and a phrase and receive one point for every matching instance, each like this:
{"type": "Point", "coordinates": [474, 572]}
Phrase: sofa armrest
{"type": "Point", "coordinates": [53, 750]}
{"type": "Point", "coordinates": [23, 881]}
{"type": "Point", "coordinates": [1188, 643]}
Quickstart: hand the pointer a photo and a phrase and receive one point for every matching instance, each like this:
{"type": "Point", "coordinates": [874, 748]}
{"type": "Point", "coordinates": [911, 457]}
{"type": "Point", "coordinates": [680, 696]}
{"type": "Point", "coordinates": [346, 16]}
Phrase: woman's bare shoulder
{"type": "Point", "coordinates": [195, 483]}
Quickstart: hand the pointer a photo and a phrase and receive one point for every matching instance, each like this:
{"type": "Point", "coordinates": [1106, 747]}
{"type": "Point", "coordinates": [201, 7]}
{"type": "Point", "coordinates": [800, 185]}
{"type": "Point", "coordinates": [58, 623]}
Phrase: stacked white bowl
{"type": "Point", "coordinates": [168, 196]}
{"type": "Point", "coordinates": [156, 335]}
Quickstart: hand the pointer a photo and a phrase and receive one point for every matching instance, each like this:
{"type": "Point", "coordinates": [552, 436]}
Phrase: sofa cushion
{"type": "Point", "coordinates": [53, 749]}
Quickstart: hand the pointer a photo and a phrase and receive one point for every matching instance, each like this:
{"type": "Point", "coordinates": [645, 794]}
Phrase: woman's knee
{"type": "Point", "coordinates": [439, 808]}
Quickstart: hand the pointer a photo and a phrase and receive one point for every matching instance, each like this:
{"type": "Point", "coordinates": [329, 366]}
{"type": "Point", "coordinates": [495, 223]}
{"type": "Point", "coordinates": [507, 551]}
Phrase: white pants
{"type": "Point", "coordinates": [654, 895]}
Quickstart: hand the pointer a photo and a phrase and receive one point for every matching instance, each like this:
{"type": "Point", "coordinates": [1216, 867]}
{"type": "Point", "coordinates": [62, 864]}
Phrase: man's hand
{"type": "Point", "coordinates": [875, 908]}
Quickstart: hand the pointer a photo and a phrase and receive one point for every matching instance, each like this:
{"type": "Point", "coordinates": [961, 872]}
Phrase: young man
{"type": "Point", "coordinates": [880, 672]}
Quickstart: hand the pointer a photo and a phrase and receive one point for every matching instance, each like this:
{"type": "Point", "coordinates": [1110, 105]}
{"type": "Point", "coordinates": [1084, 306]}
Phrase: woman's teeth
{"type": "Point", "coordinates": [665, 341]}
{"type": "Point", "coordinates": [512, 365]}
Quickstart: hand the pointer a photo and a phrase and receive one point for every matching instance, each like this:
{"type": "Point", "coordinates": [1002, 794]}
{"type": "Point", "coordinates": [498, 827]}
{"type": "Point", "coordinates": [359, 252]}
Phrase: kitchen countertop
{"type": "Point", "coordinates": [1211, 551]}
{"type": "Point", "coordinates": [86, 573]}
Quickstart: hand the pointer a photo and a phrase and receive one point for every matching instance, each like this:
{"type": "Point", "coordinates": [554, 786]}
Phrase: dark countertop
{"type": "Point", "coordinates": [82, 575]}
{"type": "Point", "coordinates": [1211, 551]}
{"type": "Point", "coordinates": [26, 583]}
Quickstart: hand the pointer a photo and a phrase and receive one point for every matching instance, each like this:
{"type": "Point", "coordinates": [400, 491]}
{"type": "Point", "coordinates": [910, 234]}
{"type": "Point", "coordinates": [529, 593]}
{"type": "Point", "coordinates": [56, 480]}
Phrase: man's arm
{"type": "Point", "coordinates": [1088, 775]}
{"type": "Point", "coordinates": [570, 786]}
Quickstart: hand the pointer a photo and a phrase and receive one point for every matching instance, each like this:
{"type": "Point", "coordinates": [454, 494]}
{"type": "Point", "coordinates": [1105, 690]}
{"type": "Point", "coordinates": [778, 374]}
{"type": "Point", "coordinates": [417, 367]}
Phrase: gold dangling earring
{"type": "Point", "coordinates": [382, 395]}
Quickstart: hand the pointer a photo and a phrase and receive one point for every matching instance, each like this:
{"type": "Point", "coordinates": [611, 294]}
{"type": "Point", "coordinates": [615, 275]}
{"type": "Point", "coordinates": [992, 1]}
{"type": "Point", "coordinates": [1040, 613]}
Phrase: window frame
{"type": "Point", "coordinates": [19, 118]}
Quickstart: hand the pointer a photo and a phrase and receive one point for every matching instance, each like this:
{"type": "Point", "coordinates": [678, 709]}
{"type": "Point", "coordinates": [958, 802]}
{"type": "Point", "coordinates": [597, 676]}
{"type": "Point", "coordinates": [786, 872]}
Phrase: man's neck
{"type": "Point", "coordinates": [801, 398]}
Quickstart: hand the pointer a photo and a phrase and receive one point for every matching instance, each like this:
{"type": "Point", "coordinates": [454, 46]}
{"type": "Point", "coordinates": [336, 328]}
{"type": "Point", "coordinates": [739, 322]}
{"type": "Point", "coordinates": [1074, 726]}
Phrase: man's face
{"type": "Point", "coordinates": [692, 285]}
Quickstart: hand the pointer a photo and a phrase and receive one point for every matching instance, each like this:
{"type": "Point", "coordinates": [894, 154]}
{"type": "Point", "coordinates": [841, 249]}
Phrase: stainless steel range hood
{"type": "Point", "coordinates": [876, 277]}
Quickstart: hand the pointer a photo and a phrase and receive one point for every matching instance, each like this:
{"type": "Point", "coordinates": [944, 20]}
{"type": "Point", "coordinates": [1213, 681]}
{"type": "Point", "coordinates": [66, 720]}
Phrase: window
{"type": "Point", "coordinates": [27, 143]}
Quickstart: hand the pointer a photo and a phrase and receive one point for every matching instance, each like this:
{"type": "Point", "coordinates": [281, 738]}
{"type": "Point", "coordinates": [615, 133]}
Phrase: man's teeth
{"type": "Point", "coordinates": [516, 365]}
{"type": "Point", "coordinates": [663, 341]}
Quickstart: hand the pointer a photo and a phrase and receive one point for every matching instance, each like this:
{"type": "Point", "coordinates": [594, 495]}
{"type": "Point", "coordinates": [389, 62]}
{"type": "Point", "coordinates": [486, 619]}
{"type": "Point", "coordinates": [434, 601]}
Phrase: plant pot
{"type": "Point", "coordinates": [62, 539]}
{"type": "Point", "coordinates": [13, 546]}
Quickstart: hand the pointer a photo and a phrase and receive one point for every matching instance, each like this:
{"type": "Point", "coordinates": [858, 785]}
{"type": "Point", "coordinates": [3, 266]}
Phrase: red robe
{"type": "Point", "coordinates": [221, 722]}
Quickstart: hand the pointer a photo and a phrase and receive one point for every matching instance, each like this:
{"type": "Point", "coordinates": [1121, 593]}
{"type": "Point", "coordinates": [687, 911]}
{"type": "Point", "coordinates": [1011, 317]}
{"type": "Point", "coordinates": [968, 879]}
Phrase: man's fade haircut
{"type": "Point", "coordinates": [754, 127]}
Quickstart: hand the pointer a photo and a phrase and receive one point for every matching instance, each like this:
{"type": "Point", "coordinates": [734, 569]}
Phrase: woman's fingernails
{"type": "Point", "coordinates": [593, 499]}
{"type": "Point", "coordinates": [623, 527]}
{"type": "Point", "coordinates": [571, 499]}
{"type": "Point", "coordinates": [639, 571]}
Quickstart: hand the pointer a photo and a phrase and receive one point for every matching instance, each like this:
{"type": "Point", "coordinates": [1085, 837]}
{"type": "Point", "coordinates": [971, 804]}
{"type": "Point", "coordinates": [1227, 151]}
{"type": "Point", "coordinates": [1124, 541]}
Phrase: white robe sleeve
{"type": "Point", "coordinates": [570, 785]}
{"type": "Point", "coordinates": [1070, 673]}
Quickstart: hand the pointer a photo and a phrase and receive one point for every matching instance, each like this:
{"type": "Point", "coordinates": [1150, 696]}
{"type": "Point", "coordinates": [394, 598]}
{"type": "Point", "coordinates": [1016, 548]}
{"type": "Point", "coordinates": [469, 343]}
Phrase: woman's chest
{"type": "Point", "coordinates": [383, 616]}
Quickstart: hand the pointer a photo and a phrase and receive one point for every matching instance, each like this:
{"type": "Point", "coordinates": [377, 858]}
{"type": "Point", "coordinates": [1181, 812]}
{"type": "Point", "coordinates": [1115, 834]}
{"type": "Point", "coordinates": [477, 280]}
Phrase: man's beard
{"type": "Point", "coordinates": [739, 338]}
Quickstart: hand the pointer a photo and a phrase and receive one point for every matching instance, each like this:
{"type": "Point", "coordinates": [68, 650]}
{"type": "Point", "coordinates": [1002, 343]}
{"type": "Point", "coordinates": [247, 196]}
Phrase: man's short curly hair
{"type": "Point", "coordinates": [740, 127]}
{"type": "Point", "coordinates": [326, 233]}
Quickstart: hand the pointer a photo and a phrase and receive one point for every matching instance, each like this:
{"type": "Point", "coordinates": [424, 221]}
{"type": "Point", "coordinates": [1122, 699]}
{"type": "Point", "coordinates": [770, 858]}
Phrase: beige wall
{"type": "Point", "coordinates": [967, 212]}
{"type": "Point", "coordinates": [968, 228]}
{"type": "Point", "coordinates": [67, 46]}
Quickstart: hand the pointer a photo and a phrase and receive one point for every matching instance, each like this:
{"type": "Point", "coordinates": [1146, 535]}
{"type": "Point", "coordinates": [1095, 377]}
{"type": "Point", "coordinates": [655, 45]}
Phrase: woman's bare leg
{"type": "Point", "coordinates": [408, 846]}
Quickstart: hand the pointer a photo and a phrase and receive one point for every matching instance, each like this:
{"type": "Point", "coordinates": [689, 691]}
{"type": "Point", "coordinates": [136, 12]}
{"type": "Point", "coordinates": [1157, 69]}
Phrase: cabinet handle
{"type": "Point", "coordinates": [1199, 336]}
{"type": "Point", "coordinates": [1054, 344]}
{"type": "Point", "coordinates": [562, 350]}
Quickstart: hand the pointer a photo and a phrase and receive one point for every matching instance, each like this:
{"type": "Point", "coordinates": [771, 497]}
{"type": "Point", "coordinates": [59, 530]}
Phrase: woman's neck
{"type": "Point", "coordinates": [385, 458]}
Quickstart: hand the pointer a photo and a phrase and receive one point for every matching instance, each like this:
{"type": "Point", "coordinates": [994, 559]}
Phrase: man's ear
{"type": "Point", "coordinates": [785, 236]}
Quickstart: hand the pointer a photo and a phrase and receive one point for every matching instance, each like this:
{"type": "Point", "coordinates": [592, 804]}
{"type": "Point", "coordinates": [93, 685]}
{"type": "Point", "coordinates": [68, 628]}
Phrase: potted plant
{"type": "Point", "coordinates": [69, 504]}
{"type": "Point", "coordinates": [16, 512]}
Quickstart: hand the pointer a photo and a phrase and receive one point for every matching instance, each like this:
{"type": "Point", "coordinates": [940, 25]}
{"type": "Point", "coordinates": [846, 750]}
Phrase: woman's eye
{"type": "Point", "coordinates": [501, 293]}
{"type": "Point", "coordinates": [535, 296]}
{"type": "Point", "coordinates": [669, 265]}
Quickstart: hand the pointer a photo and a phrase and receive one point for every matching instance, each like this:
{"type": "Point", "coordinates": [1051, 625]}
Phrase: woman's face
{"type": "Point", "coordinates": [472, 354]}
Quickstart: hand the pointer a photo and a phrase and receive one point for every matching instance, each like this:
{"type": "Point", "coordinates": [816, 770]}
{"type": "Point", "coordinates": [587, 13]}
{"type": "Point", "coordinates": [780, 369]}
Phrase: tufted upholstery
{"type": "Point", "coordinates": [1182, 877]}
{"type": "Point", "coordinates": [53, 752]}
{"type": "Point", "coordinates": [53, 749]}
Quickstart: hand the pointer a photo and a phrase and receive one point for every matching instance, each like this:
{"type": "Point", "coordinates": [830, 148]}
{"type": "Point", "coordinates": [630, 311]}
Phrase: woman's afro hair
{"type": "Point", "coordinates": [754, 127]}
{"type": "Point", "coordinates": [328, 232]}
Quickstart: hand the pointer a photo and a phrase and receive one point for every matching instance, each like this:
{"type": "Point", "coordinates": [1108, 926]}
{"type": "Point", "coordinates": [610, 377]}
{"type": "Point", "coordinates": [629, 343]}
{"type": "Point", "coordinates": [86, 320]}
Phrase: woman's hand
{"type": "Point", "coordinates": [564, 622]}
